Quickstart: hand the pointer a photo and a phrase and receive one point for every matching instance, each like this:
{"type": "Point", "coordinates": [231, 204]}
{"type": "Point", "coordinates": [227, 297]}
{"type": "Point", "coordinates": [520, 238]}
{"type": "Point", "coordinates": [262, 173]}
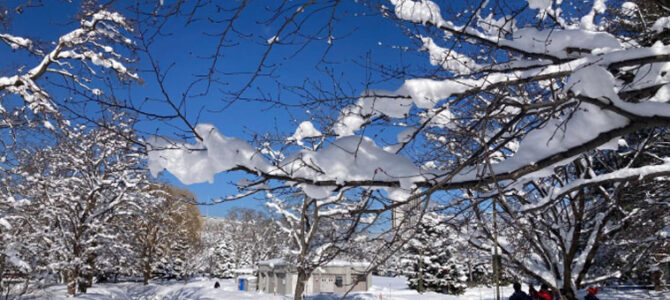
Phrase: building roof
{"type": "Point", "coordinates": [244, 271]}
{"type": "Point", "coordinates": [278, 262]}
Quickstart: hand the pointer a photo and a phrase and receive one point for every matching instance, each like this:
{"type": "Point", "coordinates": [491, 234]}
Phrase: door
{"type": "Point", "coordinates": [327, 284]}
{"type": "Point", "coordinates": [241, 284]}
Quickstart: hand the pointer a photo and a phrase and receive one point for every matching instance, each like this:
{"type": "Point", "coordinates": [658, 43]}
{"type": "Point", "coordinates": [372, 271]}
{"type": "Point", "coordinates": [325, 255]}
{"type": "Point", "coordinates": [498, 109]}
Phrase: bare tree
{"type": "Point", "coordinates": [516, 91]}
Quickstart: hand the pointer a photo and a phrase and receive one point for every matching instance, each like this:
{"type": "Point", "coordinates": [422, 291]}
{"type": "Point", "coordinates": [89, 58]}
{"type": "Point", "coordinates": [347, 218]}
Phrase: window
{"type": "Point", "coordinates": [338, 281]}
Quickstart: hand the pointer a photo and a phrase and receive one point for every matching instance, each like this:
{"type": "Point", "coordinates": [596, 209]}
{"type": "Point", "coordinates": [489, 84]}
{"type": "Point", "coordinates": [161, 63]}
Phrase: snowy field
{"type": "Point", "coordinates": [202, 289]}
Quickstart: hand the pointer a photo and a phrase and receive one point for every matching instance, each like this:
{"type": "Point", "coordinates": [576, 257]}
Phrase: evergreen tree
{"type": "Point", "coordinates": [430, 261]}
{"type": "Point", "coordinates": [224, 260]}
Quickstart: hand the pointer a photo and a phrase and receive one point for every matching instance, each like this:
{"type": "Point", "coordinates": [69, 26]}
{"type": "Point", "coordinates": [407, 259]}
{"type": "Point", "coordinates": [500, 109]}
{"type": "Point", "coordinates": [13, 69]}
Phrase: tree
{"type": "Point", "coordinates": [240, 240]}
{"type": "Point", "coordinates": [557, 228]}
{"type": "Point", "coordinates": [318, 230]}
{"type": "Point", "coordinates": [76, 59]}
{"type": "Point", "coordinates": [516, 94]}
{"type": "Point", "coordinates": [77, 188]}
{"type": "Point", "coordinates": [515, 99]}
{"type": "Point", "coordinates": [165, 229]}
{"type": "Point", "coordinates": [322, 230]}
{"type": "Point", "coordinates": [430, 260]}
{"type": "Point", "coordinates": [180, 244]}
{"type": "Point", "coordinates": [19, 254]}
{"type": "Point", "coordinates": [224, 260]}
{"type": "Point", "coordinates": [36, 75]}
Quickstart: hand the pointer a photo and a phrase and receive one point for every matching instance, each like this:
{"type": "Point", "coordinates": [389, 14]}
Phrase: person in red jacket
{"type": "Point", "coordinates": [544, 293]}
{"type": "Point", "coordinates": [591, 293]}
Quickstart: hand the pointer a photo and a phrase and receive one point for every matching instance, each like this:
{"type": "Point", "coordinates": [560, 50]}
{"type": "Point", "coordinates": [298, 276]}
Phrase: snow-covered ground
{"type": "Point", "coordinates": [384, 288]}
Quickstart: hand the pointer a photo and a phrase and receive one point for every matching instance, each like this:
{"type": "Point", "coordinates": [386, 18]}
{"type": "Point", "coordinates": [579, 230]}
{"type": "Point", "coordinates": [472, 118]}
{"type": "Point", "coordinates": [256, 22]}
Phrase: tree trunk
{"type": "Point", "coordinates": [657, 280]}
{"type": "Point", "coordinates": [146, 272]}
{"type": "Point", "coordinates": [72, 278]}
{"type": "Point", "coordinates": [84, 284]}
{"type": "Point", "coordinates": [87, 277]}
{"type": "Point", "coordinates": [566, 292]}
{"type": "Point", "coordinates": [300, 284]}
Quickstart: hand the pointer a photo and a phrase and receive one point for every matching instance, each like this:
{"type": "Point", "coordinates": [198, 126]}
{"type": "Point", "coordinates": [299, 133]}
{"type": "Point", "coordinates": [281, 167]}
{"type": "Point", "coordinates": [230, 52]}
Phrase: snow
{"type": "Point", "coordinates": [662, 24]}
{"type": "Point", "coordinates": [652, 74]}
{"type": "Point", "coordinates": [16, 42]}
{"type": "Point", "coordinates": [448, 59]}
{"type": "Point", "coordinates": [587, 20]}
{"type": "Point", "coordinates": [594, 82]}
{"type": "Point", "coordinates": [629, 6]}
{"type": "Point", "coordinates": [442, 118]}
{"type": "Point", "coordinates": [200, 162]}
{"type": "Point", "coordinates": [421, 11]}
{"type": "Point", "coordinates": [354, 158]}
{"type": "Point", "coordinates": [539, 4]}
{"type": "Point", "coordinates": [104, 15]}
{"type": "Point", "coordinates": [662, 95]}
{"type": "Point", "coordinates": [305, 130]}
{"type": "Point", "coordinates": [244, 271]}
{"type": "Point", "coordinates": [406, 135]}
{"type": "Point", "coordinates": [641, 172]}
{"type": "Point", "coordinates": [556, 42]}
{"type": "Point", "coordinates": [558, 135]}
{"type": "Point", "coordinates": [371, 103]}
{"type": "Point", "coordinates": [5, 223]}
{"type": "Point", "coordinates": [273, 262]}
{"type": "Point", "coordinates": [194, 289]}
{"type": "Point", "coordinates": [48, 125]}
{"type": "Point", "coordinates": [350, 158]}
{"type": "Point", "coordinates": [388, 288]}
{"type": "Point", "coordinates": [346, 263]}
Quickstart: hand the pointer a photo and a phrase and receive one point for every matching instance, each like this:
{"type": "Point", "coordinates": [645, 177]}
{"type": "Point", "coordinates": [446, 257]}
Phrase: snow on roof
{"type": "Point", "coordinates": [244, 271]}
{"type": "Point", "coordinates": [273, 262]}
{"type": "Point", "coordinates": [333, 263]}
{"type": "Point", "coordinates": [346, 263]}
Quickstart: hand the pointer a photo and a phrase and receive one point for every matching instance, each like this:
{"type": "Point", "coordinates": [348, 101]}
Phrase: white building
{"type": "Point", "coordinates": [245, 279]}
{"type": "Point", "coordinates": [276, 276]}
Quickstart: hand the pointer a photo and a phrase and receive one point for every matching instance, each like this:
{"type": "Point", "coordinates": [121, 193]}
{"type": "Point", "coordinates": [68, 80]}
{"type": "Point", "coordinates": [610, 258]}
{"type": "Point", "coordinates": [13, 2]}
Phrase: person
{"type": "Point", "coordinates": [518, 293]}
{"type": "Point", "coordinates": [532, 292]}
{"type": "Point", "coordinates": [591, 293]}
{"type": "Point", "coordinates": [217, 285]}
{"type": "Point", "coordinates": [544, 293]}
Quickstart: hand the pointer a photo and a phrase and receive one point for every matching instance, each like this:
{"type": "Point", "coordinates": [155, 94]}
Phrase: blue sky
{"type": "Point", "coordinates": [357, 37]}
{"type": "Point", "coordinates": [363, 37]}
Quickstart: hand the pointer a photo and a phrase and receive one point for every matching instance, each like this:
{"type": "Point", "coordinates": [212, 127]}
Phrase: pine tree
{"type": "Point", "coordinates": [430, 262]}
{"type": "Point", "coordinates": [224, 260]}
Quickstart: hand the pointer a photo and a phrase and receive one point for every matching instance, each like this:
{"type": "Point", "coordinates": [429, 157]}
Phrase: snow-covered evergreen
{"type": "Point", "coordinates": [430, 262]}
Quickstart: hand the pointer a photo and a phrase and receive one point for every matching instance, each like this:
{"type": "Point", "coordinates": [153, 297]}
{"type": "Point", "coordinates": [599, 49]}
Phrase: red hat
{"type": "Point", "coordinates": [592, 291]}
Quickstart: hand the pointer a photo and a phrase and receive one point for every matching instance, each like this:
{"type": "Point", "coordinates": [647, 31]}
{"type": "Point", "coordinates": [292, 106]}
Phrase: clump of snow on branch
{"type": "Point", "coordinates": [347, 159]}
{"type": "Point", "coordinates": [418, 11]}
{"type": "Point", "coordinates": [305, 130]}
{"type": "Point", "coordinates": [200, 162]}
{"type": "Point", "coordinates": [539, 4]}
{"type": "Point", "coordinates": [448, 59]}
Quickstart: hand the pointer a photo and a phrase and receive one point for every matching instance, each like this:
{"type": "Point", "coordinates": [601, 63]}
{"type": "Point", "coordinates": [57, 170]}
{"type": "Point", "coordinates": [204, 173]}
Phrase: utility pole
{"type": "Point", "coordinates": [496, 262]}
